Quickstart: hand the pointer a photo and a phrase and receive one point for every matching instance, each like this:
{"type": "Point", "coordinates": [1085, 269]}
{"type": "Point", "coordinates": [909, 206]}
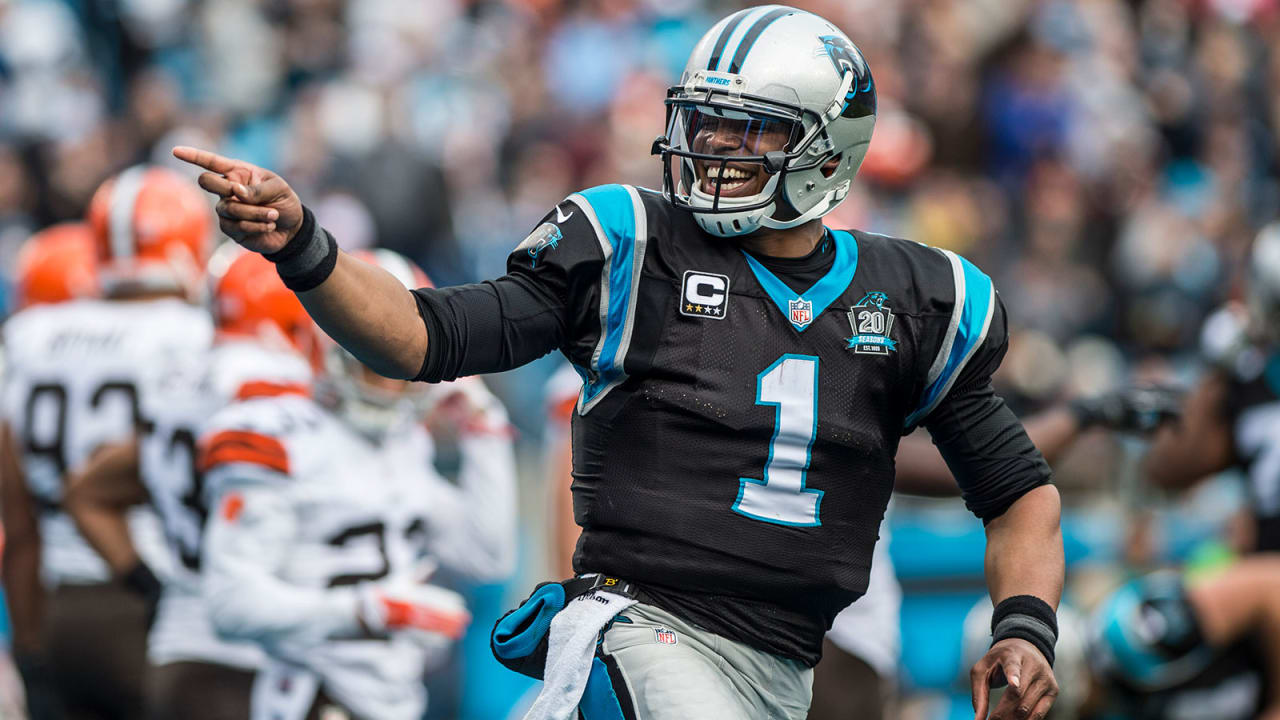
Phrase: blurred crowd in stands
{"type": "Point", "coordinates": [1107, 162]}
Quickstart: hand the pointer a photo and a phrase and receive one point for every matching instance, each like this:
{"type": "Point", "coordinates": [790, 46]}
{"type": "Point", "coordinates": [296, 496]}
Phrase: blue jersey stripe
{"type": "Point", "coordinates": [977, 295]}
{"type": "Point", "coordinates": [614, 210]}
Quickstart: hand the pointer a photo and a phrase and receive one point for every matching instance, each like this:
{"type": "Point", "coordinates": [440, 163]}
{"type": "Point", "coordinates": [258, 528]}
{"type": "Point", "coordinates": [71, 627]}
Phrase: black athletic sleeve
{"type": "Point", "coordinates": [546, 301]}
{"type": "Point", "coordinates": [982, 441]}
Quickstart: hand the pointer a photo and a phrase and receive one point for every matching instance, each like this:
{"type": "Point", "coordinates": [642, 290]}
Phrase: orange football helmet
{"type": "Point", "coordinates": [250, 299]}
{"type": "Point", "coordinates": [153, 230]}
{"type": "Point", "coordinates": [55, 265]}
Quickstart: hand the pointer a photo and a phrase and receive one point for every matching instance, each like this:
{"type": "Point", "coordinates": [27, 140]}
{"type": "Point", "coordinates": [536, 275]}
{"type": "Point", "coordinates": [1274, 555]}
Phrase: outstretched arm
{"type": "Point", "coordinates": [361, 306]}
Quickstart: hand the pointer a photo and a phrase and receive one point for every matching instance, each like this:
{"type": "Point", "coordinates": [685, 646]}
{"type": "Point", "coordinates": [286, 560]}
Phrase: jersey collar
{"type": "Point", "coordinates": [824, 292]}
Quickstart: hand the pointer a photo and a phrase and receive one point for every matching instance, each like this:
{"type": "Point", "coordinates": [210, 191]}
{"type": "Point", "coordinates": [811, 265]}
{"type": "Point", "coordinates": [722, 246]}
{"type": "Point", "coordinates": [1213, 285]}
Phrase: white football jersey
{"type": "Point", "coordinates": [183, 396]}
{"type": "Point", "coordinates": [73, 383]}
{"type": "Point", "coordinates": [306, 509]}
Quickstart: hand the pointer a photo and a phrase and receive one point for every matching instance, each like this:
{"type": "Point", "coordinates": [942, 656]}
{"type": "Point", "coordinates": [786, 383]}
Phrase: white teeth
{"type": "Point", "coordinates": [714, 172]}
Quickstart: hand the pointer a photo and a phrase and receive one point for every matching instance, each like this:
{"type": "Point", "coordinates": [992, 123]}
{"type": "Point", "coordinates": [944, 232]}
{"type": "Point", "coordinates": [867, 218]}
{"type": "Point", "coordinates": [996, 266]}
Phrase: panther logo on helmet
{"type": "Point", "coordinates": [846, 58]}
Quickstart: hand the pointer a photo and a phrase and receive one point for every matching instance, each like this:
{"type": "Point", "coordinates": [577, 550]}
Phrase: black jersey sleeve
{"type": "Point", "coordinates": [982, 441]}
{"type": "Point", "coordinates": [988, 451]}
{"type": "Point", "coordinates": [544, 302]}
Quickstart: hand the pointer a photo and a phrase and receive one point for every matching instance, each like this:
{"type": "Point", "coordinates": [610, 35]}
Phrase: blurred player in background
{"type": "Point", "coordinates": [328, 518]}
{"type": "Point", "coordinates": [1163, 647]}
{"type": "Point", "coordinates": [265, 342]}
{"type": "Point", "coordinates": [74, 383]}
{"type": "Point", "coordinates": [55, 265]}
{"type": "Point", "coordinates": [1232, 417]}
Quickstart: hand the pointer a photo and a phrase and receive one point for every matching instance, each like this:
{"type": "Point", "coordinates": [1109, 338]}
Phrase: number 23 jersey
{"type": "Point", "coordinates": [734, 438]}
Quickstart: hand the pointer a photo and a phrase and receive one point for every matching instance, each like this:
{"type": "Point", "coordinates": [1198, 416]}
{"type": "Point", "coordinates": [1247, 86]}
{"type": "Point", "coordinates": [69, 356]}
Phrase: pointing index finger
{"type": "Point", "coordinates": [205, 159]}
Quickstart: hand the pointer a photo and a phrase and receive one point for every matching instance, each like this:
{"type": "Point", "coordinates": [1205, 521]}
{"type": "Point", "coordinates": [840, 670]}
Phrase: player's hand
{"type": "Point", "coordinates": [429, 614]}
{"type": "Point", "coordinates": [1032, 686]}
{"type": "Point", "coordinates": [256, 207]}
{"type": "Point", "coordinates": [1139, 408]}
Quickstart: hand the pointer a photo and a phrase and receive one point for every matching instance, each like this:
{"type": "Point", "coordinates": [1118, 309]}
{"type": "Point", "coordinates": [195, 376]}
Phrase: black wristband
{"type": "Point", "coordinates": [142, 581]}
{"type": "Point", "coordinates": [309, 258]}
{"type": "Point", "coordinates": [1028, 618]}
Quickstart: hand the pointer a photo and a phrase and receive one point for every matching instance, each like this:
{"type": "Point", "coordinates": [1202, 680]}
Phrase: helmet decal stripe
{"type": "Point", "coordinates": [723, 40]}
{"type": "Point", "coordinates": [124, 199]}
{"type": "Point", "coordinates": [748, 16]}
{"type": "Point", "coordinates": [753, 34]}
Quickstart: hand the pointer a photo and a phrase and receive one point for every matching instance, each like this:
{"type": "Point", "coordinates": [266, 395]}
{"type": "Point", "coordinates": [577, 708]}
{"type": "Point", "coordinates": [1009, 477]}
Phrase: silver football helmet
{"type": "Point", "coordinates": [769, 123]}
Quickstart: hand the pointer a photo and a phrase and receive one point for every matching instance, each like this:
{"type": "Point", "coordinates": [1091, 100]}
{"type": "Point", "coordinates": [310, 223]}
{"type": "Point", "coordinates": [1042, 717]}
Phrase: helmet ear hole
{"type": "Point", "coordinates": [829, 167]}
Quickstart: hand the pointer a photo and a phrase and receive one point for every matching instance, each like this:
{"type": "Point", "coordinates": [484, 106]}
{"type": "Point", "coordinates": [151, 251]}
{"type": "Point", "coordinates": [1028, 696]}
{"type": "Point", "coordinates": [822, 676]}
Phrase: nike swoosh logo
{"type": "Point", "coordinates": [560, 216]}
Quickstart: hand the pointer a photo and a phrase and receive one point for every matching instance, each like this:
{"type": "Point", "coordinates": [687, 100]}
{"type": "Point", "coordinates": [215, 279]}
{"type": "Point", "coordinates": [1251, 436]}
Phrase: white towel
{"type": "Point", "coordinates": [571, 647]}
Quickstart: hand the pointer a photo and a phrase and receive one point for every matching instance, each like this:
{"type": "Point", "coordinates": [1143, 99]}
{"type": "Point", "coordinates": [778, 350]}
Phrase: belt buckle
{"type": "Point", "coordinates": [602, 583]}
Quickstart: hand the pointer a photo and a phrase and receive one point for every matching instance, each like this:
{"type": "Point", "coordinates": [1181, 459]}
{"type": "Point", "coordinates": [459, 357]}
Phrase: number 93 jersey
{"type": "Point", "coordinates": [735, 435]}
{"type": "Point", "coordinates": [76, 381]}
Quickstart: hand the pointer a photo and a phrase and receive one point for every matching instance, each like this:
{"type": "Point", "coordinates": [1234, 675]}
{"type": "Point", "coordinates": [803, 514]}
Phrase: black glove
{"type": "Point", "coordinates": [142, 581]}
{"type": "Point", "coordinates": [1139, 409]}
{"type": "Point", "coordinates": [43, 701]}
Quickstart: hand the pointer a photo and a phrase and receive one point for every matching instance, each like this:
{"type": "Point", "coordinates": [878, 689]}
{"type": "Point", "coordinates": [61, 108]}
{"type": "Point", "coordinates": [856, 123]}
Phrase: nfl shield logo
{"type": "Point", "coordinates": [801, 312]}
{"type": "Point", "coordinates": [665, 636]}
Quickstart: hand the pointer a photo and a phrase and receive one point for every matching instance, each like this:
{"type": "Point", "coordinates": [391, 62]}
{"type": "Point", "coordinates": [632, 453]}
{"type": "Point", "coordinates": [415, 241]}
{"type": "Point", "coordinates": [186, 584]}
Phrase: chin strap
{"type": "Point", "coordinates": [833, 197]}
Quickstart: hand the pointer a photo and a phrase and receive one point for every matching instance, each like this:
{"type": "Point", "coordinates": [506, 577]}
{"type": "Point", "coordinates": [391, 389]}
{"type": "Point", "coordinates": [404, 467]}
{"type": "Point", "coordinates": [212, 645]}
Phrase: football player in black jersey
{"type": "Point", "coordinates": [1232, 416]}
{"type": "Point", "coordinates": [1163, 647]}
{"type": "Point", "coordinates": [747, 372]}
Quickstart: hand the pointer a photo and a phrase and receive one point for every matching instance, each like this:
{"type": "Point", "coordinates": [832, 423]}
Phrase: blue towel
{"type": "Point", "coordinates": [520, 638]}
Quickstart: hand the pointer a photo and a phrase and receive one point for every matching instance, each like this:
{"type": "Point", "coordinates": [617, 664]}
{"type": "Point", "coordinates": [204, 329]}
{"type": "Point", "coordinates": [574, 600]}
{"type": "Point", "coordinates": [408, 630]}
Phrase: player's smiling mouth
{"type": "Point", "coordinates": [732, 180]}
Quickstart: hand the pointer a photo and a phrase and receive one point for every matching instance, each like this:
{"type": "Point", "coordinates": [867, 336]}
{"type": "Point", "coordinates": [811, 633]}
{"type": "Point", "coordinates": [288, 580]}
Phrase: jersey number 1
{"type": "Point", "coordinates": [791, 386]}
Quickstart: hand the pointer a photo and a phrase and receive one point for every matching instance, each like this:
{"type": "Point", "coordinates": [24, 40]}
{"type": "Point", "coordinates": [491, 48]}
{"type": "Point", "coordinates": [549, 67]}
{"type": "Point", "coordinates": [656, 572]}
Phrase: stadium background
{"type": "Point", "coordinates": [1107, 162]}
